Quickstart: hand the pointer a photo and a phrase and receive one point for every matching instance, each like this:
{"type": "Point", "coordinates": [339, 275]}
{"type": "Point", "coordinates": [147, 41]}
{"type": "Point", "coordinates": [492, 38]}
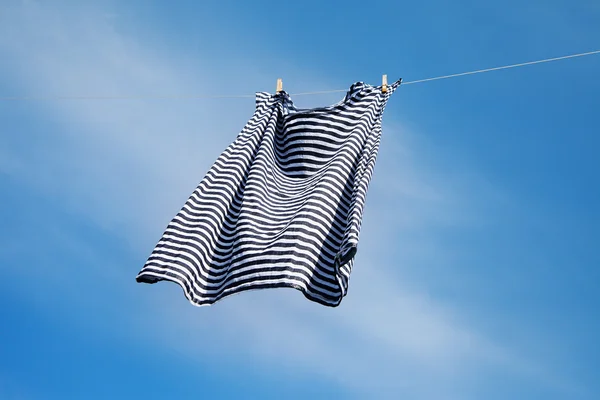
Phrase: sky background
{"type": "Point", "coordinates": [478, 264]}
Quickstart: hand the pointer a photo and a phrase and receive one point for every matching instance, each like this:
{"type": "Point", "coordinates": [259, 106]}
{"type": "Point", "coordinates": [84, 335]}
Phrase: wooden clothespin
{"type": "Point", "coordinates": [279, 85]}
{"type": "Point", "coordinates": [384, 83]}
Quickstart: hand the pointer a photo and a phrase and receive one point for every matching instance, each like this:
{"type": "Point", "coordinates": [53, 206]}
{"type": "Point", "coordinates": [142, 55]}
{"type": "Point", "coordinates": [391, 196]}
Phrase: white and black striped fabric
{"type": "Point", "coordinates": [282, 205]}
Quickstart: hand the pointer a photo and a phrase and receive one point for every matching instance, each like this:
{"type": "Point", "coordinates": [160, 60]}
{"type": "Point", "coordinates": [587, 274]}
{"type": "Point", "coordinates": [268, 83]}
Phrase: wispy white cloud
{"type": "Point", "coordinates": [129, 165]}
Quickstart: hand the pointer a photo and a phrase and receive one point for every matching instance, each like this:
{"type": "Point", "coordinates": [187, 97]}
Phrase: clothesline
{"type": "Point", "coordinates": [193, 97]}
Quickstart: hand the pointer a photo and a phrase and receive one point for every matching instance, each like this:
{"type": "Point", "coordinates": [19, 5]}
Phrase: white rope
{"type": "Point", "coordinates": [504, 67]}
{"type": "Point", "coordinates": [192, 97]}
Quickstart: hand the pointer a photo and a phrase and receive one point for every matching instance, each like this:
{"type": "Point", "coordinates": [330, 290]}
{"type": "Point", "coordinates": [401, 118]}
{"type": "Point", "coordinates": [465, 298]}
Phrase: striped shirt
{"type": "Point", "coordinates": [281, 206]}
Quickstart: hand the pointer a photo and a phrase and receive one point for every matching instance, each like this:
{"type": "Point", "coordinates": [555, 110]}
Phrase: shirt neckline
{"type": "Point", "coordinates": [355, 91]}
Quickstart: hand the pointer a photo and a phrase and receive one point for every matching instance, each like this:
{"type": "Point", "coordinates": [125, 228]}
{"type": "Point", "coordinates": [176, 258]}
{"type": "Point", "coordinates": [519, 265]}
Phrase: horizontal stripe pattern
{"type": "Point", "coordinates": [282, 205]}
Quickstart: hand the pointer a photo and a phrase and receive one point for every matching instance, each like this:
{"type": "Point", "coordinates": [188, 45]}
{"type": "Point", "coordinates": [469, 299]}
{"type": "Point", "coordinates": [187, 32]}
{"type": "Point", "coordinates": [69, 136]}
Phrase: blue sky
{"type": "Point", "coordinates": [477, 270]}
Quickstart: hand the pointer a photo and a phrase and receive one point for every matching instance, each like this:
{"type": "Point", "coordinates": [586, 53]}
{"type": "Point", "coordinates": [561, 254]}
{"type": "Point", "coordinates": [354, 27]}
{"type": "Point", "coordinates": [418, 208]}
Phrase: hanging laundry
{"type": "Point", "coordinates": [282, 205]}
